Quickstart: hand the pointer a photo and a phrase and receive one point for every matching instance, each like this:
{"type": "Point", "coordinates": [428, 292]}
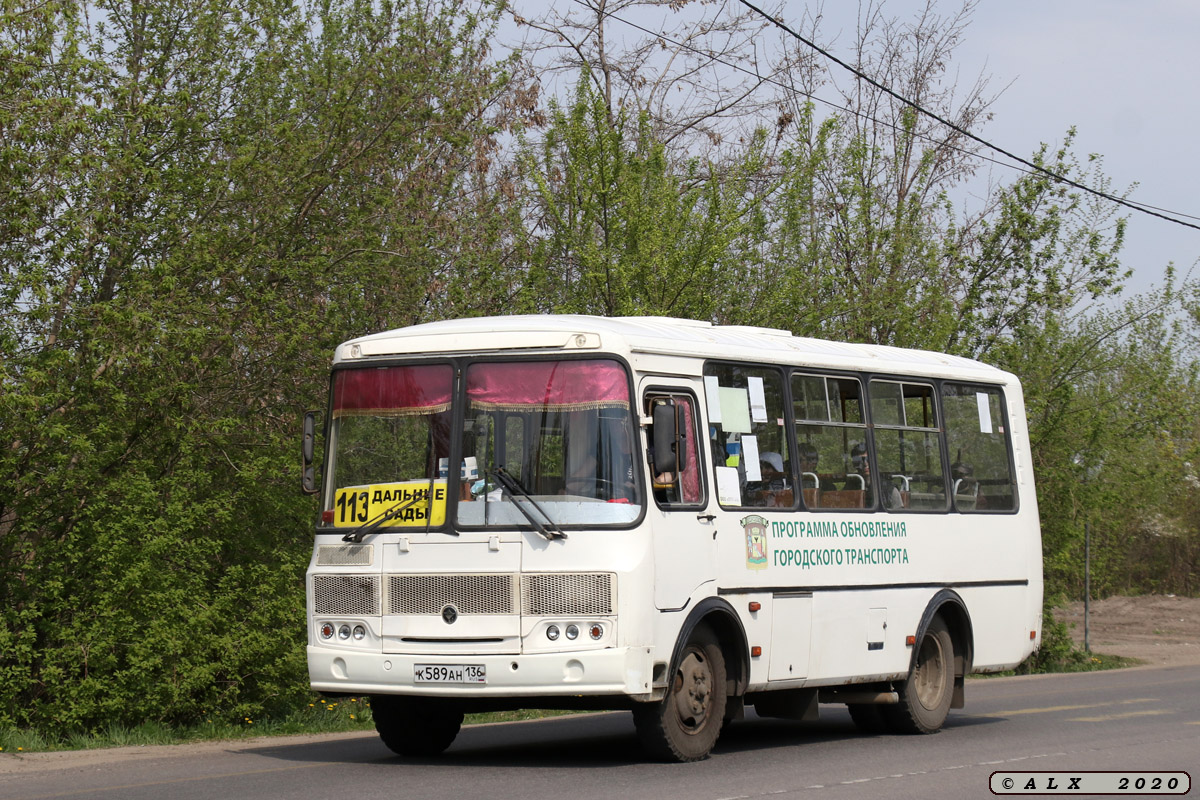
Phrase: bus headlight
{"type": "Point", "coordinates": [359, 632]}
{"type": "Point", "coordinates": [344, 632]}
{"type": "Point", "coordinates": [552, 633]}
{"type": "Point", "coordinates": [572, 632]}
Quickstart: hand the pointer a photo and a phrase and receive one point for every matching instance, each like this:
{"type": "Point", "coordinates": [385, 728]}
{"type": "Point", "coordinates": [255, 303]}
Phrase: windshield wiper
{"type": "Point", "coordinates": [514, 489]}
{"type": "Point", "coordinates": [370, 526]}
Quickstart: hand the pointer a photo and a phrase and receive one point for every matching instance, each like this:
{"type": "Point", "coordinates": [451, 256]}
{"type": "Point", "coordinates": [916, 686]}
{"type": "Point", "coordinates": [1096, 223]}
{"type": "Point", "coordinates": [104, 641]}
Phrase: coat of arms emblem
{"type": "Point", "coordinates": [756, 541]}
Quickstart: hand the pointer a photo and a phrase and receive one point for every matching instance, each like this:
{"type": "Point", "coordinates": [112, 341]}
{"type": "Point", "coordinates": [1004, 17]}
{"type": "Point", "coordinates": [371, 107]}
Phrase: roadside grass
{"type": "Point", "coordinates": [1074, 661]}
{"type": "Point", "coordinates": [1084, 661]}
{"type": "Point", "coordinates": [1059, 653]}
{"type": "Point", "coordinates": [320, 716]}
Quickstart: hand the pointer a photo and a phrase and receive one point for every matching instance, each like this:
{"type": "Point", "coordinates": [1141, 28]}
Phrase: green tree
{"type": "Point", "coordinates": [200, 201]}
{"type": "Point", "coordinates": [856, 253]}
{"type": "Point", "coordinates": [617, 229]}
{"type": "Point", "coordinates": [1111, 400]}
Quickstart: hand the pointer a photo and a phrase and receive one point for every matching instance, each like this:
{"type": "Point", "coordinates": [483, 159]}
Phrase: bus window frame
{"type": "Point", "coordinates": [864, 379]}
{"type": "Point", "coordinates": [940, 429]}
{"type": "Point", "coordinates": [999, 388]}
{"type": "Point", "coordinates": [699, 442]}
{"type": "Point", "coordinates": [865, 426]}
{"type": "Point", "coordinates": [326, 490]}
{"type": "Point", "coordinates": [464, 363]}
{"type": "Point", "coordinates": [789, 434]}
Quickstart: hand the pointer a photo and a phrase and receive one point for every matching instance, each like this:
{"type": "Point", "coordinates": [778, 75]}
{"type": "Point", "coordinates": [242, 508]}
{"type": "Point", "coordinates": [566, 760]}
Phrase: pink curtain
{"type": "Point", "coordinates": [392, 391]}
{"type": "Point", "coordinates": [556, 385]}
{"type": "Point", "coordinates": [690, 473]}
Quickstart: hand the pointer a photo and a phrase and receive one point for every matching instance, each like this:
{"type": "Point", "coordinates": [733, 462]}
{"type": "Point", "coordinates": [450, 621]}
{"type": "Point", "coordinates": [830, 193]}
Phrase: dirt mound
{"type": "Point", "coordinates": [1162, 630]}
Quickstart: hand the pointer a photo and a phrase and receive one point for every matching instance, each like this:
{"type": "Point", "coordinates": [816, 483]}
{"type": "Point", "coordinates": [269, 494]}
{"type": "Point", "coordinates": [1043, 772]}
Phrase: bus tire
{"type": "Point", "coordinates": [415, 726]}
{"type": "Point", "coordinates": [926, 694]}
{"type": "Point", "coordinates": [685, 724]}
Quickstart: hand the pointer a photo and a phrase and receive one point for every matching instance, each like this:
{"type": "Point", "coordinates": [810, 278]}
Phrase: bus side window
{"type": "Point", "coordinates": [908, 446]}
{"type": "Point", "coordinates": [831, 434]}
{"type": "Point", "coordinates": [751, 459]}
{"type": "Point", "coordinates": [674, 456]}
{"type": "Point", "coordinates": [979, 446]}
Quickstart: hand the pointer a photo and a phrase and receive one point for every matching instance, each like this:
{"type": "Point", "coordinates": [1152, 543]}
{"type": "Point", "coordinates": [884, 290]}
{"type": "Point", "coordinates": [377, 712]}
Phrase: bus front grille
{"type": "Point", "coordinates": [344, 555]}
{"type": "Point", "coordinates": [540, 594]}
{"type": "Point", "coordinates": [470, 594]}
{"type": "Point", "coordinates": [353, 595]}
{"type": "Point", "coordinates": [555, 594]}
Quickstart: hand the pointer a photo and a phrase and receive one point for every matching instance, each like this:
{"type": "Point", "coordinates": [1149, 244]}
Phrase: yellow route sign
{"type": "Point", "coordinates": [357, 505]}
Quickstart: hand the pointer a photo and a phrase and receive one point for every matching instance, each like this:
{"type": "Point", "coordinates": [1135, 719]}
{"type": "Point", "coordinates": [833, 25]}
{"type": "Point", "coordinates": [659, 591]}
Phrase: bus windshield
{"type": "Point", "coordinates": [562, 430]}
{"type": "Point", "coordinates": [391, 441]}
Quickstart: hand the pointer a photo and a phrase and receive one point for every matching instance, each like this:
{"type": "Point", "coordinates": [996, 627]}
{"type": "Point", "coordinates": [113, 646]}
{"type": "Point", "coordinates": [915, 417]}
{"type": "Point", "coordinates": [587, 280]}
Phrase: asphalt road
{"type": "Point", "coordinates": [1139, 719]}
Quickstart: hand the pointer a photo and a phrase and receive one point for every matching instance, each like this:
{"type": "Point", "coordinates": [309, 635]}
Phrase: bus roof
{"type": "Point", "coordinates": [656, 336]}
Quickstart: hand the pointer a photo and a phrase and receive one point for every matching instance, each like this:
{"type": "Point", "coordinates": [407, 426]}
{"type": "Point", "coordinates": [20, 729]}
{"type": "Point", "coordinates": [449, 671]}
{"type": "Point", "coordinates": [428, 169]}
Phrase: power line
{"type": "Point", "coordinates": [1144, 208]}
{"type": "Point", "coordinates": [793, 89]}
{"type": "Point", "coordinates": [1032, 166]}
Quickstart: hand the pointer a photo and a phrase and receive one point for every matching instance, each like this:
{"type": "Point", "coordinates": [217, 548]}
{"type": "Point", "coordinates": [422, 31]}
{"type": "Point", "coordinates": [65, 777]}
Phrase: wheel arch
{"type": "Point", "coordinates": [953, 610]}
{"type": "Point", "coordinates": [731, 634]}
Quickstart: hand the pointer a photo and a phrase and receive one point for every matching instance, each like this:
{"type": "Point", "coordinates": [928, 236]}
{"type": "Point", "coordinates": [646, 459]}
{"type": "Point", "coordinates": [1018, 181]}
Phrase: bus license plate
{"type": "Point", "coordinates": [449, 673]}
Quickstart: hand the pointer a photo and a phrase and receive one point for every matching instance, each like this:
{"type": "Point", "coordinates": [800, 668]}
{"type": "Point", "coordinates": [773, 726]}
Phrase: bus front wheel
{"type": "Point", "coordinates": [685, 725]}
{"type": "Point", "coordinates": [415, 726]}
{"type": "Point", "coordinates": [926, 694]}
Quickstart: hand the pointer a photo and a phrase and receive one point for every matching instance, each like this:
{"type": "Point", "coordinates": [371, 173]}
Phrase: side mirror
{"type": "Point", "coordinates": [308, 476]}
{"type": "Point", "coordinates": [670, 445]}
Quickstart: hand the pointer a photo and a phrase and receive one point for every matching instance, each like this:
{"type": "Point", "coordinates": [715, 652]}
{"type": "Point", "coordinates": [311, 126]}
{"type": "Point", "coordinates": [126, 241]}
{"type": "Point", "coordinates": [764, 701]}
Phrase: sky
{"type": "Point", "coordinates": [1122, 72]}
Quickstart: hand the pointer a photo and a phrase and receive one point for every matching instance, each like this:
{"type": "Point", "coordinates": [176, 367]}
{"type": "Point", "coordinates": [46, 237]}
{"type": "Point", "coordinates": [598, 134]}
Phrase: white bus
{"type": "Point", "coordinates": [669, 517]}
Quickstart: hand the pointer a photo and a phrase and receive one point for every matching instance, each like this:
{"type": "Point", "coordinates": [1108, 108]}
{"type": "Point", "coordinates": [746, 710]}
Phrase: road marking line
{"type": "Point", "coordinates": [1126, 715]}
{"type": "Point", "coordinates": [1051, 709]}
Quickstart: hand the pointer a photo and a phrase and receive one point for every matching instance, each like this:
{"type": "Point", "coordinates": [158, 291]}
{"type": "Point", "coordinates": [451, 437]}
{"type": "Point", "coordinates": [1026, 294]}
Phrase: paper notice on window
{"type": "Point", "coordinates": [735, 410]}
{"type": "Point", "coordinates": [750, 452]}
{"type": "Point", "coordinates": [712, 392]}
{"type": "Point", "coordinates": [758, 400]}
{"type": "Point", "coordinates": [985, 413]}
{"type": "Point", "coordinates": [729, 490]}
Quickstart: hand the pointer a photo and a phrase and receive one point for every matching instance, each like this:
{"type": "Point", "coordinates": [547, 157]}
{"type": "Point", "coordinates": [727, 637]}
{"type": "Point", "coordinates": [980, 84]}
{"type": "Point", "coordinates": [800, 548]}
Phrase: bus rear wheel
{"type": "Point", "coordinates": [685, 725]}
{"type": "Point", "coordinates": [926, 694]}
{"type": "Point", "coordinates": [416, 726]}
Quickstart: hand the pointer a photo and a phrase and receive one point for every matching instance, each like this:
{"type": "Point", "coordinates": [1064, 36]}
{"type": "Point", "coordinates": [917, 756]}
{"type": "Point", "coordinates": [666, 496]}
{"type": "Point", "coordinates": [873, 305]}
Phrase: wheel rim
{"type": "Point", "coordinates": [929, 678]}
{"type": "Point", "coordinates": [693, 691]}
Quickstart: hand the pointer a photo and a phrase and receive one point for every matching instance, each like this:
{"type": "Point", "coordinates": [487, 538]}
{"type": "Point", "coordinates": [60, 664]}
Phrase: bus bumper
{"type": "Point", "coordinates": [613, 671]}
